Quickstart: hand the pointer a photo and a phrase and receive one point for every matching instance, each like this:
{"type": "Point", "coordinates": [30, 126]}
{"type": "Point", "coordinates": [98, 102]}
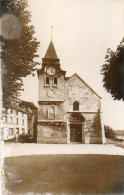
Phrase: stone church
{"type": "Point", "coordinates": [68, 108]}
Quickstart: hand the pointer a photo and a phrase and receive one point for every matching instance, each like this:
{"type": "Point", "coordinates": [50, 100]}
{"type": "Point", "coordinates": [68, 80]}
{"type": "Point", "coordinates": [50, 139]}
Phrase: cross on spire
{"type": "Point", "coordinates": [51, 32]}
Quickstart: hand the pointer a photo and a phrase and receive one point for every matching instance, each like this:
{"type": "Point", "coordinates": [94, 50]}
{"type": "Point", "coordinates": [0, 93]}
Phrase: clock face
{"type": "Point", "coordinates": [50, 93]}
{"type": "Point", "coordinates": [51, 70]}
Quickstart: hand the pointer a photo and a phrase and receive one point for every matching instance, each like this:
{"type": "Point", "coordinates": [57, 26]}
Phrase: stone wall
{"type": "Point", "coordinates": [44, 109]}
{"type": "Point", "coordinates": [58, 90]}
{"type": "Point", "coordinates": [89, 105]}
{"type": "Point", "coordinates": [77, 90]}
{"type": "Point", "coordinates": [93, 131]}
{"type": "Point", "coordinates": [52, 133]}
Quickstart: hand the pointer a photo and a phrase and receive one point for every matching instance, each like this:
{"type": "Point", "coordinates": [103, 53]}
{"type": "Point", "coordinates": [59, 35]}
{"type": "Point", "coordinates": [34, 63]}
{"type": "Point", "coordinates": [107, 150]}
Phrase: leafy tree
{"type": "Point", "coordinates": [109, 133]}
{"type": "Point", "coordinates": [113, 72]}
{"type": "Point", "coordinates": [19, 48]}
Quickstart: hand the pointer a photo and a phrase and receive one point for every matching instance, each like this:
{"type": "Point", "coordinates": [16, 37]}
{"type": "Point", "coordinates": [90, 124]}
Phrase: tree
{"type": "Point", "coordinates": [109, 133]}
{"type": "Point", "coordinates": [113, 72]}
{"type": "Point", "coordinates": [97, 124]}
{"type": "Point", "coordinates": [19, 49]}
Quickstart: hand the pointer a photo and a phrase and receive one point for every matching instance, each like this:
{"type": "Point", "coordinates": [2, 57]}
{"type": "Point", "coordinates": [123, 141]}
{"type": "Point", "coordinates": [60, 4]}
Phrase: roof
{"type": "Point", "coordinates": [83, 82]}
{"type": "Point", "coordinates": [51, 52]}
{"type": "Point", "coordinates": [16, 107]}
{"type": "Point", "coordinates": [28, 105]}
{"type": "Point", "coordinates": [67, 78]}
{"type": "Point", "coordinates": [21, 110]}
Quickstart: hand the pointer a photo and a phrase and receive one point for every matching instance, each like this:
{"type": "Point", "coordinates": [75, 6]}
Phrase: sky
{"type": "Point", "coordinates": [82, 32]}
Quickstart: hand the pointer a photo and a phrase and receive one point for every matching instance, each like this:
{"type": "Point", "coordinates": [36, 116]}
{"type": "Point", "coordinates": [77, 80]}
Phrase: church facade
{"type": "Point", "coordinates": [69, 111]}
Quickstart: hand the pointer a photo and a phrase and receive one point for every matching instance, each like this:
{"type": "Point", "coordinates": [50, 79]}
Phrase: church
{"type": "Point", "coordinates": [69, 110]}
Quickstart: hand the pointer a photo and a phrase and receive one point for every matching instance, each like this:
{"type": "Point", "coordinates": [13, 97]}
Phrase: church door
{"type": "Point", "coordinates": [76, 121]}
{"type": "Point", "coordinates": [76, 132]}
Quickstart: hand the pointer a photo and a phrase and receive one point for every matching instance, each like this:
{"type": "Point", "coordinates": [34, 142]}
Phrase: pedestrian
{"type": "Point", "coordinates": [17, 137]}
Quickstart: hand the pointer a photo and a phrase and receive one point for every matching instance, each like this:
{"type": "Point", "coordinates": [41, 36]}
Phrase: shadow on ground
{"type": "Point", "coordinates": [64, 174]}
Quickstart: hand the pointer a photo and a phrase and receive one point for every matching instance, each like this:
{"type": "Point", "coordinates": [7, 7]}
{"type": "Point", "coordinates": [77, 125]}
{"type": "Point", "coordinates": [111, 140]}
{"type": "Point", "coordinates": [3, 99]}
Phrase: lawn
{"type": "Point", "coordinates": [65, 174]}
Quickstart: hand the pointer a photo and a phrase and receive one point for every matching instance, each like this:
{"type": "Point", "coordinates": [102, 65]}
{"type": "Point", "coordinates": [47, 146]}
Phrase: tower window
{"type": "Point", "coordinates": [5, 119]}
{"type": "Point", "coordinates": [17, 122]}
{"type": "Point", "coordinates": [51, 112]}
{"type": "Point", "coordinates": [11, 119]}
{"type": "Point", "coordinates": [76, 106]}
{"type": "Point", "coordinates": [55, 81]}
{"type": "Point", "coordinates": [47, 81]}
{"type": "Point", "coordinates": [22, 121]}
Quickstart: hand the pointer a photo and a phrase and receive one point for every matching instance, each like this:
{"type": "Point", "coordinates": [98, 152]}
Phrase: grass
{"type": "Point", "coordinates": [65, 174]}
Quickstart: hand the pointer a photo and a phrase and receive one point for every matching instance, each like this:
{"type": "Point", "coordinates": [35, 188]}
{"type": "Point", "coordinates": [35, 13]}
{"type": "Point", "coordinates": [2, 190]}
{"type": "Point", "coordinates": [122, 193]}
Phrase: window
{"type": "Point", "coordinates": [22, 114]}
{"type": "Point", "coordinates": [23, 130]}
{"type": "Point", "coordinates": [55, 81]}
{"type": "Point", "coordinates": [51, 112]}
{"type": "Point", "coordinates": [76, 106]}
{"type": "Point", "coordinates": [5, 119]}
{"type": "Point", "coordinates": [17, 121]}
{"type": "Point", "coordinates": [11, 119]}
{"type": "Point", "coordinates": [11, 131]}
{"type": "Point", "coordinates": [47, 81]}
{"type": "Point", "coordinates": [11, 111]}
{"type": "Point", "coordinates": [16, 112]}
{"type": "Point", "coordinates": [22, 121]}
{"type": "Point", "coordinates": [17, 130]}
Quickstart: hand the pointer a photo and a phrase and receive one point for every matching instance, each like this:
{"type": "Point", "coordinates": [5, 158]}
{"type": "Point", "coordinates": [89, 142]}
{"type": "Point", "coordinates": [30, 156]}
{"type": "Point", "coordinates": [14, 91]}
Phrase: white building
{"type": "Point", "coordinates": [14, 120]}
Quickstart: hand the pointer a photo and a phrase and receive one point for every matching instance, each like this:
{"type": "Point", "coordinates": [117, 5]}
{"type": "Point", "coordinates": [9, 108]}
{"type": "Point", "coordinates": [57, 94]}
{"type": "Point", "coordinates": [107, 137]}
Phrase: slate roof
{"type": "Point", "coordinates": [51, 52]}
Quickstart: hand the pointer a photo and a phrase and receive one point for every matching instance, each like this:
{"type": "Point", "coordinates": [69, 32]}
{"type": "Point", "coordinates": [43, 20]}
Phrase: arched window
{"type": "Point", "coordinates": [47, 81]}
{"type": "Point", "coordinates": [51, 112]}
{"type": "Point", "coordinates": [76, 106]}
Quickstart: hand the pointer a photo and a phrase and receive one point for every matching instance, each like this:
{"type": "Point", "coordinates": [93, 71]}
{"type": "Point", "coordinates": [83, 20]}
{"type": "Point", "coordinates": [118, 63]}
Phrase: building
{"type": "Point", "coordinates": [69, 110]}
{"type": "Point", "coordinates": [14, 120]}
{"type": "Point", "coordinates": [32, 112]}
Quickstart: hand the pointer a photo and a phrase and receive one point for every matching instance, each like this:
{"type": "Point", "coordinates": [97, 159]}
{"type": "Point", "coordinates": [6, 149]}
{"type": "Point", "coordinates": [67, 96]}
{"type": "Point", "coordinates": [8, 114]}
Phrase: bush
{"type": "Point", "coordinates": [23, 138]}
{"type": "Point", "coordinates": [96, 125]}
{"type": "Point", "coordinates": [109, 133]}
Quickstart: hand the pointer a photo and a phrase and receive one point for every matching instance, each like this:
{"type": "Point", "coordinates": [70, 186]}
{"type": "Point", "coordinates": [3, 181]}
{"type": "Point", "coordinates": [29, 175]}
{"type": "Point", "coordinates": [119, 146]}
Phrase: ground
{"type": "Point", "coordinates": [121, 144]}
{"type": "Point", "coordinates": [63, 169]}
{"type": "Point", "coordinates": [65, 174]}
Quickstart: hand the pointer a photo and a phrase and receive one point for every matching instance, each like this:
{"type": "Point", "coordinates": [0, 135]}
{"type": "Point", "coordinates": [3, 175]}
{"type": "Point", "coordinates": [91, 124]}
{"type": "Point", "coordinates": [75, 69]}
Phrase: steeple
{"type": "Point", "coordinates": [51, 53]}
{"type": "Point", "coordinates": [50, 57]}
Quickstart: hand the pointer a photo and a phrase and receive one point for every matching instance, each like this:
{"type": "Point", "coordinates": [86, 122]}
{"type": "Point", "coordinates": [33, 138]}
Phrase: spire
{"type": "Point", "coordinates": [51, 32]}
{"type": "Point", "coordinates": [51, 53]}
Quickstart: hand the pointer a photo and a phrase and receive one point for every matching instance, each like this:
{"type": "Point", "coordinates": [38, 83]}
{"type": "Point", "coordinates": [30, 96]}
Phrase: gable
{"type": "Point", "coordinates": [76, 77]}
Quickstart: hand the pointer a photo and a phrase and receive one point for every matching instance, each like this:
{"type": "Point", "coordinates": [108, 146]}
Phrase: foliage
{"type": "Point", "coordinates": [109, 133]}
{"type": "Point", "coordinates": [28, 105]}
{"type": "Point", "coordinates": [97, 125]}
{"type": "Point", "coordinates": [18, 53]}
{"type": "Point", "coordinates": [24, 138]}
{"type": "Point", "coordinates": [113, 72]}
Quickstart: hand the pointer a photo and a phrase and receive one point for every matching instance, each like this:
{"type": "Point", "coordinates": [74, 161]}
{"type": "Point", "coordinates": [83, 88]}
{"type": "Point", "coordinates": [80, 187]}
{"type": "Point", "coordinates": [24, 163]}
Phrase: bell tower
{"type": "Point", "coordinates": [51, 97]}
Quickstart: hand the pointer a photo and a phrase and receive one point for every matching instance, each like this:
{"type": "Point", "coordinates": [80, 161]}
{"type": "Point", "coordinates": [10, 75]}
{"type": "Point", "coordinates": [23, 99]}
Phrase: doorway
{"type": "Point", "coordinates": [76, 133]}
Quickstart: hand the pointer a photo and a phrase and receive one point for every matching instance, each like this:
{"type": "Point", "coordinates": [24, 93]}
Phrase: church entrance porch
{"type": "Point", "coordinates": [75, 129]}
{"type": "Point", "coordinates": [76, 133]}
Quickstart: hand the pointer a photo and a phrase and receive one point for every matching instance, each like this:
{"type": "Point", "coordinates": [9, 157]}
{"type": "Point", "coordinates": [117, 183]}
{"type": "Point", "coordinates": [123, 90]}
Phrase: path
{"type": "Point", "coordinates": [13, 149]}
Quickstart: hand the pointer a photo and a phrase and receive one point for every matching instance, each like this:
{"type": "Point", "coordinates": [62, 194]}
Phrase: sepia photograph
{"type": "Point", "coordinates": [62, 97]}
